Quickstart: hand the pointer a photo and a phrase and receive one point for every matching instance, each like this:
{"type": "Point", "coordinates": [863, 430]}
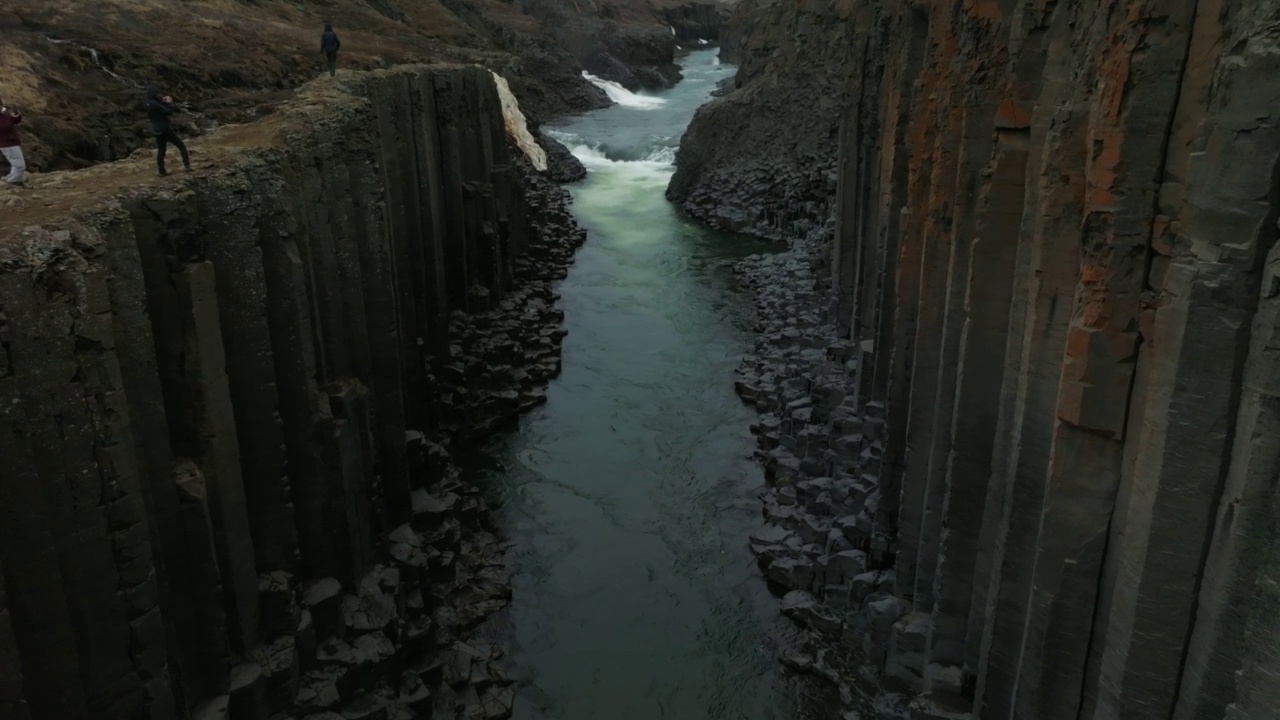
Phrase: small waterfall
{"type": "Point", "coordinates": [623, 96]}
{"type": "Point", "coordinates": [97, 60]}
{"type": "Point", "coordinates": [517, 127]}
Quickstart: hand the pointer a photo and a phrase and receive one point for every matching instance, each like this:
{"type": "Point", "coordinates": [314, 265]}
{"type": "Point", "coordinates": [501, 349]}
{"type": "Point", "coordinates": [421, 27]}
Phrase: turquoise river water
{"type": "Point", "coordinates": [629, 496]}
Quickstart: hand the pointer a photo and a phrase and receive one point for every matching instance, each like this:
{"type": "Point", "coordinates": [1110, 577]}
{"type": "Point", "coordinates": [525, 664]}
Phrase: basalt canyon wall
{"type": "Point", "coordinates": [1023, 424]}
{"type": "Point", "coordinates": [228, 401]}
{"type": "Point", "coordinates": [762, 158]}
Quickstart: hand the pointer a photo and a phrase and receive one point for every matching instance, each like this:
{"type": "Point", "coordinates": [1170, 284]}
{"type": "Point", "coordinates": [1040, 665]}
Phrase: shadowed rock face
{"type": "Point", "coordinates": [227, 404]}
{"type": "Point", "coordinates": [1045, 420]}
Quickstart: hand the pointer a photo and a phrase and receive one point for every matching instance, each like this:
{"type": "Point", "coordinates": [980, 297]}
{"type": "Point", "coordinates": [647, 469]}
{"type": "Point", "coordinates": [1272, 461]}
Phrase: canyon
{"type": "Point", "coordinates": [1014, 374]}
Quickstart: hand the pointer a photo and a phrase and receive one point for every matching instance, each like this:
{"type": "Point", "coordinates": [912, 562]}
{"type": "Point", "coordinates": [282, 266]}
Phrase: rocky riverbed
{"type": "Point", "coordinates": [820, 444]}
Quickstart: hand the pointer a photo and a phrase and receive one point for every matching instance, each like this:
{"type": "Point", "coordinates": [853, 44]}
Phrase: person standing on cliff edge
{"type": "Point", "coordinates": [11, 145]}
{"type": "Point", "coordinates": [159, 110]}
{"type": "Point", "coordinates": [329, 44]}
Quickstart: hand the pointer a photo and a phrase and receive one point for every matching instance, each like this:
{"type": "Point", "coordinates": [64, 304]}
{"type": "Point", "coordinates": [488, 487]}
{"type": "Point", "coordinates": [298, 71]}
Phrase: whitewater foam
{"type": "Point", "coordinates": [623, 96]}
{"type": "Point", "coordinates": [665, 155]}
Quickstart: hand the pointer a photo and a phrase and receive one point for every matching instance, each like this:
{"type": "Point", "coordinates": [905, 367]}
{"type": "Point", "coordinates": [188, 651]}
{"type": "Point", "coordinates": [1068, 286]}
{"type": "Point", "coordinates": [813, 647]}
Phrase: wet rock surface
{"type": "Point", "coordinates": [562, 166]}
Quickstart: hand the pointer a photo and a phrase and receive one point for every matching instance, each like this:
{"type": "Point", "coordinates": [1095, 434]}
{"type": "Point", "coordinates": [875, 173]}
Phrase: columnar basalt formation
{"type": "Point", "coordinates": [227, 404]}
{"type": "Point", "coordinates": [1053, 283]}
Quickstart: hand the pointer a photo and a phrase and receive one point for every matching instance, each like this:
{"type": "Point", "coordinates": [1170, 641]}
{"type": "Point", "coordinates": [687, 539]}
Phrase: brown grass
{"type": "Point", "coordinates": [231, 61]}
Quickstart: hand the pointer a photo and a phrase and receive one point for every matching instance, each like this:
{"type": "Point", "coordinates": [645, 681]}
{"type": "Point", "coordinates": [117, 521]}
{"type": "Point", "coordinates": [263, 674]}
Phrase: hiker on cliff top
{"type": "Point", "coordinates": [159, 110]}
{"type": "Point", "coordinates": [11, 145]}
{"type": "Point", "coordinates": [329, 44]}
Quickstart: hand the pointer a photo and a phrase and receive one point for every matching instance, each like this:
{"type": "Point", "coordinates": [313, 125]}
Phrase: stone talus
{"type": "Point", "coordinates": [226, 409]}
{"type": "Point", "coordinates": [1037, 391]}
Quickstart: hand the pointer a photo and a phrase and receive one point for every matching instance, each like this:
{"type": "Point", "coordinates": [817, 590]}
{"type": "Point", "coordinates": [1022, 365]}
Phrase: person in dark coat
{"type": "Point", "coordinates": [329, 44]}
{"type": "Point", "coordinates": [159, 110]}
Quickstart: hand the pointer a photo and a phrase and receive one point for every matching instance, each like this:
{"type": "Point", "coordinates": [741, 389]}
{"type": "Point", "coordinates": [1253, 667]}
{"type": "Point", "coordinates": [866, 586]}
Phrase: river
{"type": "Point", "coordinates": [628, 497]}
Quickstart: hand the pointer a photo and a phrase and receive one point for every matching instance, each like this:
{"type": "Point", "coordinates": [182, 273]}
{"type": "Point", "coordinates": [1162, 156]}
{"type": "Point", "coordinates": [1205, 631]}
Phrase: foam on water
{"type": "Point", "coordinates": [623, 96]}
{"type": "Point", "coordinates": [622, 176]}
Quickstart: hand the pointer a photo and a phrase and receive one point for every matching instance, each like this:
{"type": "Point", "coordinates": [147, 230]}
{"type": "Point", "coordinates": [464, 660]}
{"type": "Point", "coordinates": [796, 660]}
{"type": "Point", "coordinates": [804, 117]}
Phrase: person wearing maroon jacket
{"type": "Point", "coordinates": [10, 145]}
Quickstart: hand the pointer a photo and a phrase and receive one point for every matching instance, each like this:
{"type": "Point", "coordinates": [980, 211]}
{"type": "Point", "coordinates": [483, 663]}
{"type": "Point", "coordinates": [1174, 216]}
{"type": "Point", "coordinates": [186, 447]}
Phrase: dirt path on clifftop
{"type": "Point", "coordinates": [55, 198]}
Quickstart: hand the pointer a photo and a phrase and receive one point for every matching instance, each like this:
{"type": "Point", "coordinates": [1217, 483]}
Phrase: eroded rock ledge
{"type": "Point", "coordinates": [227, 404]}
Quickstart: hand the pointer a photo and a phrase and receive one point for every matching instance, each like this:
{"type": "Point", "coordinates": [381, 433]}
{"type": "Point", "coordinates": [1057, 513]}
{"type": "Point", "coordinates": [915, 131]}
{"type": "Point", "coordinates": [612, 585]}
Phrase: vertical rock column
{"type": "Point", "coordinates": [1046, 274]}
{"type": "Point", "coordinates": [1224, 265]}
{"type": "Point", "coordinates": [1125, 132]}
{"type": "Point", "coordinates": [190, 585]}
{"type": "Point", "coordinates": [337, 517]}
{"type": "Point", "coordinates": [376, 230]}
{"type": "Point", "coordinates": [899, 291]}
{"type": "Point", "coordinates": [183, 302]}
{"type": "Point", "coordinates": [12, 703]}
{"type": "Point", "coordinates": [955, 514]}
{"type": "Point", "coordinates": [993, 253]}
{"type": "Point", "coordinates": [236, 259]}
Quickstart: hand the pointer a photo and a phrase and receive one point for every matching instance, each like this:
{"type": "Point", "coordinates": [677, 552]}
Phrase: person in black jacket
{"type": "Point", "coordinates": [329, 44]}
{"type": "Point", "coordinates": [159, 110]}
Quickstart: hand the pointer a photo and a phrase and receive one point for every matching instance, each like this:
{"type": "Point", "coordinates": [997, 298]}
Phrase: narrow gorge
{"type": "Point", "coordinates": [633, 359]}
